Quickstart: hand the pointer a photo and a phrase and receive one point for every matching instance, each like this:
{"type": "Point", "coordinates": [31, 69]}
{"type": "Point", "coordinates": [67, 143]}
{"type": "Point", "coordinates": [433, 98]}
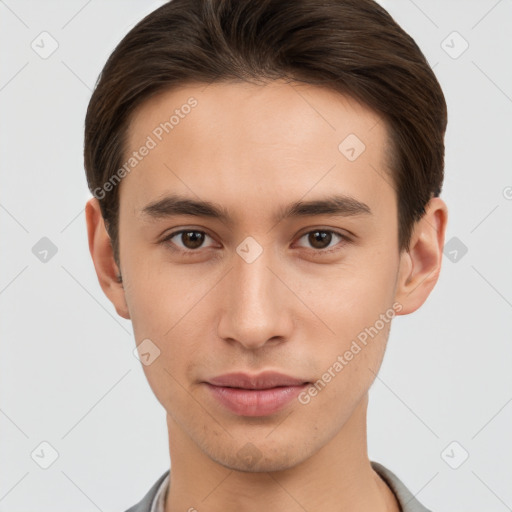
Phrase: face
{"type": "Point", "coordinates": [292, 268]}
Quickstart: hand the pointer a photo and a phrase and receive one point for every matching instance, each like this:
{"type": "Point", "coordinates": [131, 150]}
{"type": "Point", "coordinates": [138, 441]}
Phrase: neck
{"type": "Point", "coordinates": [337, 477]}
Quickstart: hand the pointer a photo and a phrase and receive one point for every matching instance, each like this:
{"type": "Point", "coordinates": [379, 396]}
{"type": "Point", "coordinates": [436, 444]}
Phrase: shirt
{"type": "Point", "coordinates": [154, 500]}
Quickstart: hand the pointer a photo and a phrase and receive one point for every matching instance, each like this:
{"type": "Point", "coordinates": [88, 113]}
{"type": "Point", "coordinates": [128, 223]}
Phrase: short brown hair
{"type": "Point", "coordinates": [351, 46]}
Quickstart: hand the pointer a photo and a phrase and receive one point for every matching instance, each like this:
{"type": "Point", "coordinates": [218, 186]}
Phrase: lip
{"type": "Point", "coordinates": [255, 395]}
{"type": "Point", "coordinates": [263, 380]}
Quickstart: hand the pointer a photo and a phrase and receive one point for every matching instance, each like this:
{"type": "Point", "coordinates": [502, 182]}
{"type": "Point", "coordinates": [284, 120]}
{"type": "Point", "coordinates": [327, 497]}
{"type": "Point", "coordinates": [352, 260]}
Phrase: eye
{"type": "Point", "coordinates": [320, 239]}
{"type": "Point", "coordinates": [190, 239]}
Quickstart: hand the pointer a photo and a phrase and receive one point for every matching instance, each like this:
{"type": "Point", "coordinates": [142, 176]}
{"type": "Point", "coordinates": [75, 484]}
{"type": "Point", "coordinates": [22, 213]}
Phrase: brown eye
{"type": "Point", "coordinates": [186, 240]}
{"type": "Point", "coordinates": [192, 239]}
{"type": "Point", "coordinates": [319, 239]}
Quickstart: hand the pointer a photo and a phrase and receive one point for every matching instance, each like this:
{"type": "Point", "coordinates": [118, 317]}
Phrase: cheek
{"type": "Point", "coordinates": [351, 296]}
{"type": "Point", "coordinates": [162, 306]}
{"type": "Point", "coordinates": [346, 370]}
{"type": "Point", "coordinates": [155, 300]}
{"type": "Point", "coordinates": [157, 316]}
{"type": "Point", "coordinates": [355, 302]}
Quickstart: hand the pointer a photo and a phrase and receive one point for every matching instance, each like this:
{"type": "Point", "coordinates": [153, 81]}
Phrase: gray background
{"type": "Point", "coordinates": [68, 374]}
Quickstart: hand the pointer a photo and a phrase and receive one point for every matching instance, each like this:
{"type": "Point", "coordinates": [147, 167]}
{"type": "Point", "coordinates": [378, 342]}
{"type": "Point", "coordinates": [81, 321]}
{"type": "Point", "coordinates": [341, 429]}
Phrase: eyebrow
{"type": "Point", "coordinates": [172, 205]}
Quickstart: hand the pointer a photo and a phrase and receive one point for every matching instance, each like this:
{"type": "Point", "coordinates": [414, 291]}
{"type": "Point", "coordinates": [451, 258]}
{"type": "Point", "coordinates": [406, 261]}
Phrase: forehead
{"type": "Point", "coordinates": [274, 105]}
{"type": "Point", "coordinates": [236, 138]}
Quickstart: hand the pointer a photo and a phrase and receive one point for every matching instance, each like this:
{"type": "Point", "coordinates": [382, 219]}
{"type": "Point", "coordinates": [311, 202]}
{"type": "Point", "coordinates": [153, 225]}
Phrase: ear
{"type": "Point", "coordinates": [102, 255]}
{"type": "Point", "coordinates": [420, 265]}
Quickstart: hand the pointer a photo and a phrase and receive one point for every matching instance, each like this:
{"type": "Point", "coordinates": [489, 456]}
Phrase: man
{"type": "Point", "coordinates": [266, 180]}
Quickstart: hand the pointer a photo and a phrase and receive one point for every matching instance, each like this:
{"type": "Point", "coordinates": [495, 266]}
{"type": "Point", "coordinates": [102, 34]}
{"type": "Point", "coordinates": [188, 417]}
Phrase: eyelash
{"type": "Point", "coordinates": [191, 252]}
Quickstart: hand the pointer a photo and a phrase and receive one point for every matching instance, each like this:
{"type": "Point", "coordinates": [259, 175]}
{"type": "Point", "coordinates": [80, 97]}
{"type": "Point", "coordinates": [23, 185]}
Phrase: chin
{"type": "Point", "coordinates": [254, 457]}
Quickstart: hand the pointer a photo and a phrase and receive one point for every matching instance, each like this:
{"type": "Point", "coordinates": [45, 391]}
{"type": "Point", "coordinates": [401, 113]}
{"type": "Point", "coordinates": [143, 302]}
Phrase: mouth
{"type": "Point", "coordinates": [264, 380]}
{"type": "Point", "coordinates": [255, 395]}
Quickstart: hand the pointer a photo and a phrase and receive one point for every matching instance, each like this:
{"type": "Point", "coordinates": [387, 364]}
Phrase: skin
{"type": "Point", "coordinates": [254, 149]}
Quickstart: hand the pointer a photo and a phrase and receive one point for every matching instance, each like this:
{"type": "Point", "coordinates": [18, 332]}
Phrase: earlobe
{"type": "Point", "coordinates": [102, 255]}
{"type": "Point", "coordinates": [421, 264]}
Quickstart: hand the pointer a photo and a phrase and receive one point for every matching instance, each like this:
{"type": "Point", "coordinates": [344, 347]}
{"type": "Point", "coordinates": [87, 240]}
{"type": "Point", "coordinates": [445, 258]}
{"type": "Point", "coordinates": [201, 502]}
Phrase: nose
{"type": "Point", "coordinates": [255, 303]}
